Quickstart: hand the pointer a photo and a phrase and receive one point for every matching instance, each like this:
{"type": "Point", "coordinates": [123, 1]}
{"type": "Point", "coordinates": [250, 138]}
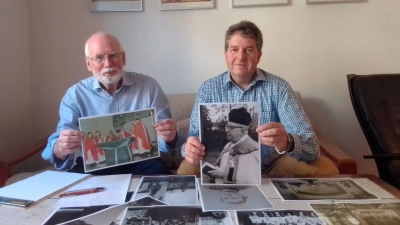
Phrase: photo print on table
{"type": "Point", "coordinates": [228, 131]}
{"type": "Point", "coordinates": [174, 215]}
{"type": "Point", "coordinates": [232, 197]}
{"type": "Point", "coordinates": [172, 190]}
{"type": "Point", "coordinates": [294, 189]}
{"type": "Point", "coordinates": [293, 217]}
{"type": "Point", "coordinates": [387, 213]}
{"type": "Point", "coordinates": [117, 139]}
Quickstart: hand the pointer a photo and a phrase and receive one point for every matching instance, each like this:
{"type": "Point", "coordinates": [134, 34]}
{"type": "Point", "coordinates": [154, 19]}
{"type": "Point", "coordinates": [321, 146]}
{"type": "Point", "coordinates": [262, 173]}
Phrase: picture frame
{"type": "Point", "coordinates": [186, 4]}
{"type": "Point", "coordinates": [311, 2]}
{"type": "Point", "coordinates": [115, 5]}
{"type": "Point", "coordinates": [252, 3]}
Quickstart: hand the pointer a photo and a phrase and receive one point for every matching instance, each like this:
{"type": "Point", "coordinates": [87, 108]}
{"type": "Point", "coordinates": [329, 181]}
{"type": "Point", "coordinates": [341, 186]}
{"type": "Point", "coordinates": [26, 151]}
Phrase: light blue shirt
{"type": "Point", "coordinates": [278, 104]}
{"type": "Point", "coordinates": [87, 98]}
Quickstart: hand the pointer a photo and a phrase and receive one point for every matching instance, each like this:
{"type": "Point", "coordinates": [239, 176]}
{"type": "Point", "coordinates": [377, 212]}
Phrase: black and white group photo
{"type": "Point", "coordinates": [174, 215]}
{"type": "Point", "coordinates": [293, 217]}
{"type": "Point", "coordinates": [228, 131]}
{"type": "Point", "coordinates": [319, 189]}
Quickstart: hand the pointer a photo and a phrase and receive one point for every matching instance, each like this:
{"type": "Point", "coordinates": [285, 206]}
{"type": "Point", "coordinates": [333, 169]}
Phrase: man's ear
{"type": "Point", "coordinates": [88, 64]}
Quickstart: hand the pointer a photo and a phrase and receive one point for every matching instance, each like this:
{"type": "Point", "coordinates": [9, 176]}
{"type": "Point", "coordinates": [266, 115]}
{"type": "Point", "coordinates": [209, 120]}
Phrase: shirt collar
{"type": "Point", "coordinates": [259, 76]}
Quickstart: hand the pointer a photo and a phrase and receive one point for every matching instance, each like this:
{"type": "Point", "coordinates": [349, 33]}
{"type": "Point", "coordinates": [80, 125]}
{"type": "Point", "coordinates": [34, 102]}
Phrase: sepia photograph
{"type": "Point", "coordinates": [321, 189]}
{"type": "Point", "coordinates": [228, 131]}
{"type": "Point", "coordinates": [174, 215]}
{"type": "Point", "coordinates": [172, 190]}
{"type": "Point", "coordinates": [359, 213]}
{"type": "Point", "coordinates": [232, 197]}
{"type": "Point", "coordinates": [292, 217]}
{"type": "Point", "coordinates": [117, 139]}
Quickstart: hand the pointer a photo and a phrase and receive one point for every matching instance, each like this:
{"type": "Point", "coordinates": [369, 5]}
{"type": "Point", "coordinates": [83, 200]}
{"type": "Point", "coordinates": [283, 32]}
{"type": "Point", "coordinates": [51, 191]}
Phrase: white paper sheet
{"type": "Point", "coordinates": [41, 185]}
{"type": "Point", "coordinates": [115, 193]}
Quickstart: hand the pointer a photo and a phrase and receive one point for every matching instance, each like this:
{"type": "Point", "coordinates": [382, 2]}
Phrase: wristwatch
{"type": "Point", "coordinates": [289, 146]}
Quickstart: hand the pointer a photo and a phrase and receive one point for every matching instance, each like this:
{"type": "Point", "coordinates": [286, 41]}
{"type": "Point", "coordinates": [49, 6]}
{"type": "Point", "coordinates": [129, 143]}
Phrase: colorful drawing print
{"type": "Point", "coordinates": [117, 139]}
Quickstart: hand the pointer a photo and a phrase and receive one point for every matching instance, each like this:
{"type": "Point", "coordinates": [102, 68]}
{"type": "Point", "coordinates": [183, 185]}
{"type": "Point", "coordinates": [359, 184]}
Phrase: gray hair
{"type": "Point", "coordinates": [104, 34]}
{"type": "Point", "coordinates": [246, 29]}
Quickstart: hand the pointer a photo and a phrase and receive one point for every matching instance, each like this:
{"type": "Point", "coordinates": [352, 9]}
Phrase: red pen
{"type": "Point", "coordinates": [82, 192]}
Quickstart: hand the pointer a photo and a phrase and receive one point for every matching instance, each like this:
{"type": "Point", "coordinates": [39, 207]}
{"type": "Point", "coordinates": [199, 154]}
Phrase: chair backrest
{"type": "Point", "coordinates": [376, 102]}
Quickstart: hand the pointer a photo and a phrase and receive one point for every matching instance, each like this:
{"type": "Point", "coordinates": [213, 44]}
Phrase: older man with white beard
{"type": "Point", "coordinates": [109, 90]}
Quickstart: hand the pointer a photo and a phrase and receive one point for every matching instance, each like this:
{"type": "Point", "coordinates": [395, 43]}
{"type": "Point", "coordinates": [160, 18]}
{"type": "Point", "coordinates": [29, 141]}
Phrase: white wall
{"type": "Point", "coordinates": [15, 86]}
{"type": "Point", "coordinates": [311, 46]}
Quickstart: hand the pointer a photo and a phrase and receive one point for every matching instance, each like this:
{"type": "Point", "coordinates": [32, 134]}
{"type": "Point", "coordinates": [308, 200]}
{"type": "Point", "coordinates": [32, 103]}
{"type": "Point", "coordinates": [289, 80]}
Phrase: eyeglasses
{"type": "Point", "coordinates": [113, 57]}
{"type": "Point", "coordinates": [227, 127]}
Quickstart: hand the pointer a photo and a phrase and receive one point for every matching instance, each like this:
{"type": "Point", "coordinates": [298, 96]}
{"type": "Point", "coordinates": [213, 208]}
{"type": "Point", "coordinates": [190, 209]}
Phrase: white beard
{"type": "Point", "coordinates": [108, 80]}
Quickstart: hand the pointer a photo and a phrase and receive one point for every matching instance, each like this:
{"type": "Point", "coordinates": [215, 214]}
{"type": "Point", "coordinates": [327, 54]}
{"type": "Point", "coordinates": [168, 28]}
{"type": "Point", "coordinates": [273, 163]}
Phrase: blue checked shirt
{"type": "Point", "coordinates": [87, 98]}
{"type": "Point", "coordinates": [278, 104]}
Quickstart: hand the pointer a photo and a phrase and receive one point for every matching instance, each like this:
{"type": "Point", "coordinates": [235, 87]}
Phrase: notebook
{"type": "Point", "coordinates": [36, 188]}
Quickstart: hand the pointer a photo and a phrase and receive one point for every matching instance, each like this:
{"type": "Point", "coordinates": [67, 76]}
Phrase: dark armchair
{"type": "Point", "coordinates": [376, 102]}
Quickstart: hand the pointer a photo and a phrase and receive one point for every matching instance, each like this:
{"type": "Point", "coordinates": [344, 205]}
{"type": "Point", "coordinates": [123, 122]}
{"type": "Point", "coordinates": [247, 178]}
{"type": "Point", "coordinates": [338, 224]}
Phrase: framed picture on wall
{"type": "Point", "coordinates": [115, 5]}
{"type": "Point", "coordinates": [186, 4]}
{"type": "Point", "coordinates": [331, 1]}
{"type": "Point", "coordinates": [251, 3]}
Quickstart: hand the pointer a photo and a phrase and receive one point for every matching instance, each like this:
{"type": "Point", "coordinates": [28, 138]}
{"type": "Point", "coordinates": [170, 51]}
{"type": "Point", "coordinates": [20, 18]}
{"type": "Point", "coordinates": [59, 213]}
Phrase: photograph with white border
{"type": "Point", "coordinates": [174, 215]}
{"type": "Point", "coordinates": [232, 197]}
{"type": "Point", "coordinates": [293, 217]}
{"type": "Point", "coordinates": [172, 189]}
{"type": "Point", "coordinates": [228, 132]}
{"type": "Point", "coordinates": [294, 189]}
{"type": "Point", "coordinates": [370, 213]}
{"type": "Point", "coordinates": [118, 139]}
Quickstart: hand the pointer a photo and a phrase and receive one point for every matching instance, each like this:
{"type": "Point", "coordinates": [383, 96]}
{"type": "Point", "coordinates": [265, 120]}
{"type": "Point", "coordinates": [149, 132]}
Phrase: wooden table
{"type": "Point", "coordinates": [39, 212]}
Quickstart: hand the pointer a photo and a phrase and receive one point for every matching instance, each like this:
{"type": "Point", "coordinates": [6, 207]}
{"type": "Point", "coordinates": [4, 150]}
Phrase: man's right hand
{"type": "Point", "coordinates": [194, 150]}
{"type": "Point", "coordinates": [68, 142]}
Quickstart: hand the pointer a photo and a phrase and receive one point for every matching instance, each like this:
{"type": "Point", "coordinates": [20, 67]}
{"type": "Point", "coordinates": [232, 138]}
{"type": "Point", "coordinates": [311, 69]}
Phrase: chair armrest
{"type": "Point", "coordinates": [345, 163]}
{"type": "Point", "coordinates": [383, 157]}
{"type": "Point", "coordinates": [5, 166]}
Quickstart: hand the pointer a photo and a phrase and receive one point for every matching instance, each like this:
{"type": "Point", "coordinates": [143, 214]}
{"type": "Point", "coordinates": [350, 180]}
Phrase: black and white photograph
{"type": "Point", "coordinates": [172, 190]}
{"type": "Point", "coordinates": [64, 214]}
{"type": "Point", "coordinates": [233, 197]}
{"type": "Point", "coordinates": [106, 216]}
{"type": "Point", "coordinates": [359, 213]}
{"type": "Point", "coordinates": [292, 217]}
{"type": "Point", "coordinates": [174, 215]}
{"type": "Point", "coordinates": [228, 131]}
{"type": "Point", "coordinates": [321, 189]}
{"type": "Point", "coordinates": [146, 201]}
{"type": "Point", "coordinates": [117, 139]}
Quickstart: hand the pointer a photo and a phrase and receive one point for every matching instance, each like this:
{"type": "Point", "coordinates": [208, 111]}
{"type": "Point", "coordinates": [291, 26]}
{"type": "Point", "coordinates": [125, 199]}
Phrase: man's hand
{"type": "Point", "coordinates": [194, 150]}
{"type": "Point", "coordinates": [166, 129]}
{"type": "Point", "coordinates": [273, 134]}
{"type": "Point", "coordinates": [68, 142]}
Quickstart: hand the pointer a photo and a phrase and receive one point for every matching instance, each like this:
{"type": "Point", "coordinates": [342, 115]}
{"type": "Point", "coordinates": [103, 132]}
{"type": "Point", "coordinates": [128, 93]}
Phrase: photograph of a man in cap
{"type": "Point", "coordinates": [239, 160]}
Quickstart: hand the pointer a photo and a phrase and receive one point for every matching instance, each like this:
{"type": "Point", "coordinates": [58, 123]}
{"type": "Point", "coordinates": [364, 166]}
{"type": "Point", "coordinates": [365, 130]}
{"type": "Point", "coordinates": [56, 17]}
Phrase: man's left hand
{"type": "Point", "coordinates": [166, 129]}
{"type": "Point", "coordinates": [273, 134]}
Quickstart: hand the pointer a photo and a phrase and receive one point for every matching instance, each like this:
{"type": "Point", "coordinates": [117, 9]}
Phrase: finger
{"type": "Point", "coordinates": [268, 126]}
{"type": "Point", "coordinates": [164, 122]}
{"type": "Point", "coordinates": [71, 133]}
{"type": "Point", "coordinates": [192, 161]}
